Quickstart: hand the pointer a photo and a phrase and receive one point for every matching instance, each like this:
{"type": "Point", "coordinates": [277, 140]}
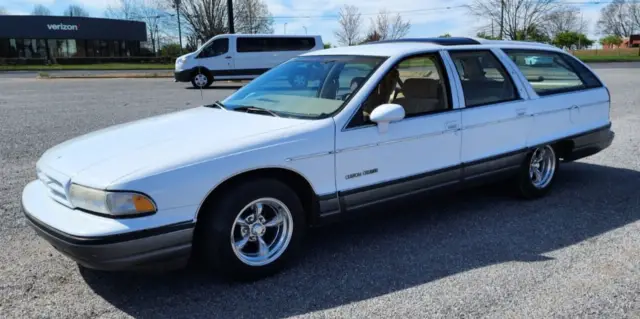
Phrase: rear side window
{"type": "Point", "coordinates": [552, 72]}
{"type": "Point", "coordinates": [483, 78]}
{"type": "Point", "coordinates": [264, 44]}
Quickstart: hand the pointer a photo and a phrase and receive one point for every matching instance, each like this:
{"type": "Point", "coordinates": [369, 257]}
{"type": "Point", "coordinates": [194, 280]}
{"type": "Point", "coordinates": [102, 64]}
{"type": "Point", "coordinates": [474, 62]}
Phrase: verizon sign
{"type": "Point", "coordinates": [63, 27]}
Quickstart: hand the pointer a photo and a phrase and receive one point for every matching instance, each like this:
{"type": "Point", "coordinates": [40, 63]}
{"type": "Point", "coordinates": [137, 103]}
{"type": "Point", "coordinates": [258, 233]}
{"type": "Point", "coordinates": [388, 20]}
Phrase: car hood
{"type": "Point", "coordinates": [101, 157]}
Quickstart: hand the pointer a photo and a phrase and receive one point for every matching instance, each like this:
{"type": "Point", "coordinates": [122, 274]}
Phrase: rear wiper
{"type": "Point", "coordinates": [217, 104]}
{"type": "Point", "coordinates": [255, 108]}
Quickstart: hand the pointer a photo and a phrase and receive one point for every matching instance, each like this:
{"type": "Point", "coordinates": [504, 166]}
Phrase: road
{"type": "Point", "coordinates": [478, 253]}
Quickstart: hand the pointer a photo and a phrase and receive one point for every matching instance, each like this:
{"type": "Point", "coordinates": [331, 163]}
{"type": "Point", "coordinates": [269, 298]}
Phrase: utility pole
{"type": "Point", "coordinates": [176, 3]}
{"type": "Point", "coordinates": [501, 19]}
{"type": "Point", "coordinates": [230, 16]}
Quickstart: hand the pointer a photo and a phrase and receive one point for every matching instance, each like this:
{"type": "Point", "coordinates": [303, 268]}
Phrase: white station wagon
{"type": "Point", "coordinates": [237, 183]}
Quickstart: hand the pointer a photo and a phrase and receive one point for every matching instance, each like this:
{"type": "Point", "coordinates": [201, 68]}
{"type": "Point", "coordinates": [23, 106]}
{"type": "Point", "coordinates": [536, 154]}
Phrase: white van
{"type": "Point", "coordinates": [243, 57]}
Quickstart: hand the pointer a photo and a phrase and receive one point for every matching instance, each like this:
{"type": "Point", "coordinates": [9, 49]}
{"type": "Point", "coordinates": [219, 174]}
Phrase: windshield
{"type": "Point", "coordinates": [305, 87]}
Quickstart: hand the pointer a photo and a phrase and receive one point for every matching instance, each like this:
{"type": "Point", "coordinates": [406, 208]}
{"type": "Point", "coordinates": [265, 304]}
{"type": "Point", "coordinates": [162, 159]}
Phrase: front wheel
{"type": "Point", "coordinates": [252, 230]}
{"type": "Point", "coordinates": [201, 79]}
{"type": "Point", "coordinates": [538, 172]}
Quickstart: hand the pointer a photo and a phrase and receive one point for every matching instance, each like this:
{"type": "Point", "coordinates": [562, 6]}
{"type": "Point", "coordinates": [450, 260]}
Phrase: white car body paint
{"type": "Point", "coordinates": [178, 159]}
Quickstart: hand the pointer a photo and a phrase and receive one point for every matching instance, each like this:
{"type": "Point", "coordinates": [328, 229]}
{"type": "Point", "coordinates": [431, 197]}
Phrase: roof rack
{"type": "Point", "coordinates": [439, 41]}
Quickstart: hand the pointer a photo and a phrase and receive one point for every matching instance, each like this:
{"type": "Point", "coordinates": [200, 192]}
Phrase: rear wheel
{"type": "Point", "coordinates": [538, 172]}
{"type": "Point", "coordinates": [251, 231]}
{"type": "Point", "coordinates": [201, 79]}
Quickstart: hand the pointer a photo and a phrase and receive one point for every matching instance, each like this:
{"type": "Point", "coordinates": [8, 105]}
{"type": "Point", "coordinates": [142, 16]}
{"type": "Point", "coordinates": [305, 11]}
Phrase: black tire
{"type": "Point", "coordinates": [213, 243]}
{"type": "Point", "coordinates": [526, 186]}
{"type": "Point", "coordinates": [201, 73]}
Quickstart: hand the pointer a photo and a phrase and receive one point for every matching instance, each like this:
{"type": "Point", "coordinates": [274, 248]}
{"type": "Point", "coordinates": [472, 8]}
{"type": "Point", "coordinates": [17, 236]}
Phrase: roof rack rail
{"type": "Point", "coordinates": [513, 42]}
{"type": "Point", "coordinates": [439, 41]}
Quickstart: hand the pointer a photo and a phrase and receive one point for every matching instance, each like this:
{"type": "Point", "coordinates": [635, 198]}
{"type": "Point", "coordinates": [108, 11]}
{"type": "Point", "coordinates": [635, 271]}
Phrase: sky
{"type": "Point", "coordinates": [428, 18]}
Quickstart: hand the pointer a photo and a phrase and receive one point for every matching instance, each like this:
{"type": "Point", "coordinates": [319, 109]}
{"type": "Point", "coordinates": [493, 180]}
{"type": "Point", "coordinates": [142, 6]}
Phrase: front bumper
{"type": "Point", "coordinates": [159, 247]}
{"type": "Point", "coordinates": [182, 76]}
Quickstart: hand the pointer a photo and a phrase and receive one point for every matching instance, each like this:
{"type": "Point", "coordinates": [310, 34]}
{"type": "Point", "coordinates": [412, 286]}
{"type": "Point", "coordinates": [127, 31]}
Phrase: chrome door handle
{"type": "Point", "coordinates": [521, 112]}
{"type": "Point", "coordinates": [227, 57]}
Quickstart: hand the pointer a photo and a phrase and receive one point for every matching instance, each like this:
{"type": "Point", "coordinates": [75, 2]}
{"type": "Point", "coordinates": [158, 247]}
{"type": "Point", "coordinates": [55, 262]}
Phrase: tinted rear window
{"type": "Point", "coordinates": [275, 44]}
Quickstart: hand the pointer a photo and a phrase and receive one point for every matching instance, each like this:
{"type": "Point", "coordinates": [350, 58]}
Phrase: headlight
{"type": "Point", "coordinates": [110, 203]}
{"type": "Point", "coordinates": [180, 61]}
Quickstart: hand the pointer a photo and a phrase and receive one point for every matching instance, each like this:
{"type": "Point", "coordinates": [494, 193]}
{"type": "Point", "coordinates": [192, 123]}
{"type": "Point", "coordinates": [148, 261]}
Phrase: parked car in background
{"type": "Point", "coordinates": [236, 183]}
{"type": "Point", "coordinates": [244, 57]}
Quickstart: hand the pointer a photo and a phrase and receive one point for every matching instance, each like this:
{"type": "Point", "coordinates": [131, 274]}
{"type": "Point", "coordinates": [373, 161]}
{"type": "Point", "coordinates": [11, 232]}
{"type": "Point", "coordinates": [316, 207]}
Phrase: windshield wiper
{"type": "Point", "coordinates": [255, 108]}
{"type": "Point", "coordinates": [217, 104]}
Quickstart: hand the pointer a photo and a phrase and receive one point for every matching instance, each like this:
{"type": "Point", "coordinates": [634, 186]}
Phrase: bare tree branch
{"type": "Point", "coordinates": [252, 16]}
{"type": "Point", "coordinates": [75, 11]}
{"type": "Point", "coordinates": [565, 19]}
{"type": "Point", "coordinates": [519, 15]}
{"type": "Point", "coordinates": [350, 23]}
{"type": "Point", "coordinates": [619, 18]}
{"type": "Point", "coordinates": [399, 28]}
{"type": "Point", "coordinates": [125, 10]}
{"type": "Point", "coordinates": [387, 28]}
{"type": "Point", "coordinates": [40, 10]}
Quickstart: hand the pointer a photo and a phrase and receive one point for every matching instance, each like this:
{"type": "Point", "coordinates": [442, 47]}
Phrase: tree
{"type": "Point", "coordinates": [3, 11]}
{"type": "Point", "coordinates": [617, 18]}
{"type": "Point", "coordinates": [40, 10]}
{"type": "Point", "coordinates": [252, 16]}
{"type": "Point", "coordinates": [446, 35]}
{"type": "Point", "coordinates": [487, 36]}
{"type": "Point", "coordinates": [125, 10]}
{"type": "Point", "coordinates": [171, 50]}
{"type": "Point", "coordinates": [386, 29]}
{"type": "Point", "coordinates": [328, 45]}
{"type": "Point", "coordinates": [564, 19]}
{"type": "Point", "coordinates": [350, 23]}
{"type": "Point", "coordinates": [611, 40]}
{"type": "Point", "coordinates": [75, 11]}
{"type": "Point", "coordinates": [570, 39]}
{"type": "Point", "coordinates": [532, 33]}
{"type": "Point", "coordinates": [519, 15]}
{"type": "Point", "coordinates": [208, 18]}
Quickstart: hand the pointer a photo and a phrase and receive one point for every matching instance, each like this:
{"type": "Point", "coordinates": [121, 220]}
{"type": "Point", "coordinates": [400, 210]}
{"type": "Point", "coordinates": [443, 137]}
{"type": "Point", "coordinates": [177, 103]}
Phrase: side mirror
{"type": "Point", "coordinates": [385, 114]}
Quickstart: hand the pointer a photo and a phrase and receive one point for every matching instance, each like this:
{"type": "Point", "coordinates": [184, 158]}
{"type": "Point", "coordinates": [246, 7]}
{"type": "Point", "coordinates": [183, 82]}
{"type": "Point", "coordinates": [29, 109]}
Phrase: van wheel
{"type": "Point", "coordinates": [298, 81]}
{"type": "Point", "coordinates": [252, 231]}
{"type": "Point", "coordinates": [538, 172]}
{"type": "Point", "coordinates": [201, 79]}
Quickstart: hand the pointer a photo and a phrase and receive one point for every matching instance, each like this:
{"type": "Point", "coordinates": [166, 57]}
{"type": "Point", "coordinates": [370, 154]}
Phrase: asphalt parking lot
{"type": "Point", "coordinates": [479, 253]}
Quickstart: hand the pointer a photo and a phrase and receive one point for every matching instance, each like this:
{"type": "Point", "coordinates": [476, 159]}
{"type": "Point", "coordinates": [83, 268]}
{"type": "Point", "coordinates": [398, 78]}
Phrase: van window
{"type": "Point", "coordinates": [264, 44]}
{"type": "Point", "coordinates": [552, 72]}
{"type": "Point", "coordinates": [483, 78]}
{"type": "Point", "coordinates": [215, 48]}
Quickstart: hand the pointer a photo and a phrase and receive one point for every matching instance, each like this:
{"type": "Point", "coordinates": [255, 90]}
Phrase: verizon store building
{"type": "Point", "coordinates": [48, 37]}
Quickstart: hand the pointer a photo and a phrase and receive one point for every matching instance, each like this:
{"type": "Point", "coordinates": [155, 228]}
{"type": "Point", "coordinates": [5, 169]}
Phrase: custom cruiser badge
{"type": "Point", "coordinates": [358, 174]}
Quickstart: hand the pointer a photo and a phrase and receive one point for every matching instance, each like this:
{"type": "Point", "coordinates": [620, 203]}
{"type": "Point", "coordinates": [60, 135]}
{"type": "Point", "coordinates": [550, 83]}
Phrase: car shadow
{"type": "Point", "coordinates": [395, 248]}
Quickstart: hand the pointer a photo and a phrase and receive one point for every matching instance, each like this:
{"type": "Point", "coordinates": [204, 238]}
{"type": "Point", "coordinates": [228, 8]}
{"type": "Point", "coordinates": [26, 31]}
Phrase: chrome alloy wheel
{"type": "Point", "coordinates": [261, 231]}
{"type": "Point", "coordinates": [200, 80]}
{"type": "Point", "coordinates": [542, 166]}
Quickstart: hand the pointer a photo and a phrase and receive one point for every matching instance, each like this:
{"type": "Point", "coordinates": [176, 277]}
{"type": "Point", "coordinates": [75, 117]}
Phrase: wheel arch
{"type": "Point", "coordinates": [298, 183]}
